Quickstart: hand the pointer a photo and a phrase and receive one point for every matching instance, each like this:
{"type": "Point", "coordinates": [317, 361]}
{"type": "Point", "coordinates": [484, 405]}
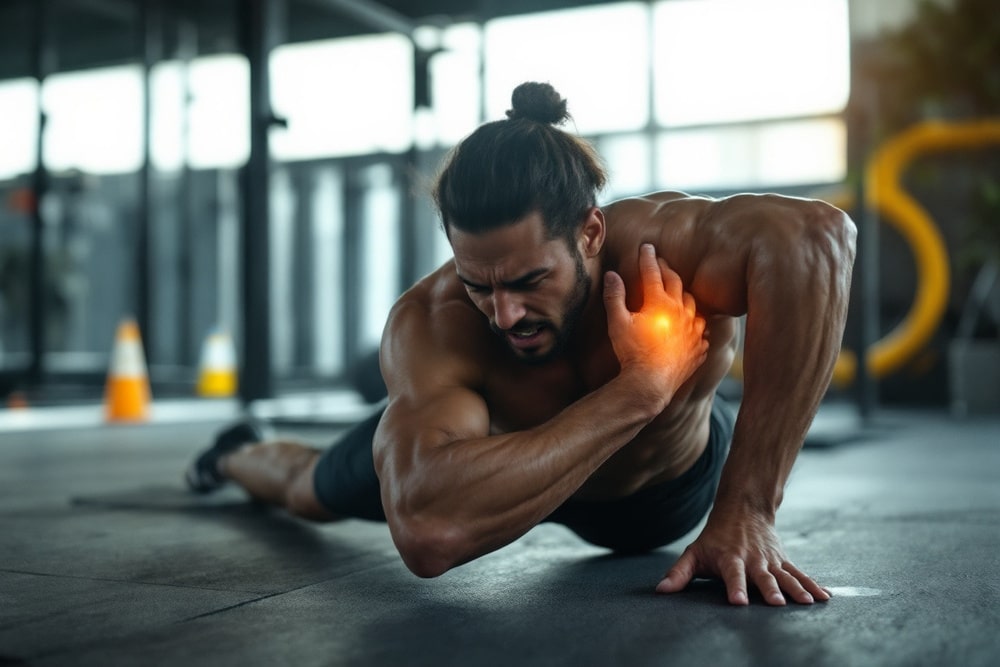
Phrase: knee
{"type": "Point", "coordinates": [301, 500]}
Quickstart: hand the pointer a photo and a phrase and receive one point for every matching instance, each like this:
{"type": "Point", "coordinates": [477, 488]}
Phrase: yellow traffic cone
{"type": "Point", "coordinates": [217, 373]}
{"type": "Point", "coordinates": [126, 394]}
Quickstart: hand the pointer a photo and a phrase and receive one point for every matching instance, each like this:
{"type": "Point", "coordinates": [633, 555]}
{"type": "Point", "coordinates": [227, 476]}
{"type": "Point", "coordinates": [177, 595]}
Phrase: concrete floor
{"type": "Point", "coordinates": [106, 560]}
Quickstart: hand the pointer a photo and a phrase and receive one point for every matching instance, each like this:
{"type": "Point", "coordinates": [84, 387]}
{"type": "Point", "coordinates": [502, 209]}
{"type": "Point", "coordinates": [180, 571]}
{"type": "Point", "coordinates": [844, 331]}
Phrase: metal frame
{"type": "Point", "coordinates": [151, 24]}
{"type": "Point", "coordinates": [261, 22]}
{"type": "Point", "coordinates": [43, 63]}
{"type": "Point", "coordinates": [371, 14]}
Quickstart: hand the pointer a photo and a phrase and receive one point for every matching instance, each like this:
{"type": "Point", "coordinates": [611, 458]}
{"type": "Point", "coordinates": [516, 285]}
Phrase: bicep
{"type": "Point", "coordinates": [433, 401]}
{"type": "Point", "coordinates": [412, 427]}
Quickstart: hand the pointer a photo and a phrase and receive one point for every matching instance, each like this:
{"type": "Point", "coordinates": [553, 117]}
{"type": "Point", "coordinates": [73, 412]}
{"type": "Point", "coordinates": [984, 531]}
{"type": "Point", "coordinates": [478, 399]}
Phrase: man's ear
{"type": "Point", "coordinates": [592, 233]}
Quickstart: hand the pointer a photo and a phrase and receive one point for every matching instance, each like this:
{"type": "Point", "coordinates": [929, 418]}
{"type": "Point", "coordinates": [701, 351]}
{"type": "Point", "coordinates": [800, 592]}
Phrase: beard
{"type": "Point", "coordinates": [573, 309]}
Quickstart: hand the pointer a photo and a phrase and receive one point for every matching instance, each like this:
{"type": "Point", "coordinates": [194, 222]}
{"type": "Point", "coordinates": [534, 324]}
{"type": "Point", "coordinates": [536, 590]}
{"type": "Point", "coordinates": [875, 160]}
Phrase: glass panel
{"type": "Point", "coordinates": [94, 120]}
{"type": "Point", "coordinates": [283, 315]}
{"type": "Point", "coordinates": [456, 90]}
{"type": "Point", "coordinates": [750, 156]}
{"type": "Point", "coordinates": [380, 248]}
{"type": "Point", "coordinates": [596, 57]}
{"type": "Point", "coordinates": [328, 270]}
{"type": "Point", "coordinates": [168, 82]}
{"type": "Point", "coordinates": [343, 97]}
{"type": "Point", "coordinates": [730, 60]}
{"type": "Point", "coordinates": [628, 161]}
{"type": "Point", "coordinates": [16, 210]}
{"type": "Point", "coordinates": [802, 152]}
{"type": "Point", "coordinates": [19, 129]}
{"type": "Point", "coordinates": [228, 260]}
{"type": "Point", "coordinates": [219, 112]}
{"type": "Point", "coordinates": [90, 241]}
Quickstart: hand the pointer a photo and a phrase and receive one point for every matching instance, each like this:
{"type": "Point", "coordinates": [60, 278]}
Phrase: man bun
{"type": "Point", "coordinates": [538, 102]}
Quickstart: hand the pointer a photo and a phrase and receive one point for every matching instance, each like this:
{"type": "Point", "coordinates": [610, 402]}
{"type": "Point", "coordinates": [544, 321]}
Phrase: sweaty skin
{"type": "Point", "coordinates": [485, 435]}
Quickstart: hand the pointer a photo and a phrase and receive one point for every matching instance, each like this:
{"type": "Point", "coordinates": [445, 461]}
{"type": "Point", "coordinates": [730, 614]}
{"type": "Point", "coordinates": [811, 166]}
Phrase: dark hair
{"type": "Point", "coordinates": [510, 168]}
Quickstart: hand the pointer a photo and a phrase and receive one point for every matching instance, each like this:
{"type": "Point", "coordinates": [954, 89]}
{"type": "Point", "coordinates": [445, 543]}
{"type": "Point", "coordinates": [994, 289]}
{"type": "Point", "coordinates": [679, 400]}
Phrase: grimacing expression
{"type": "Point", "coordinates": [533, 290]}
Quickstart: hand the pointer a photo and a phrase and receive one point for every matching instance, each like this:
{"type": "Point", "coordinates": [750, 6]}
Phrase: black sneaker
{"type": "Point", "coordinates": [203, 475]}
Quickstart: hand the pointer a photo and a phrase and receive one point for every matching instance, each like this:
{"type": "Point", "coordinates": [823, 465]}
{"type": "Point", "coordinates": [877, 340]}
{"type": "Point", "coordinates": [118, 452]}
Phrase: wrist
{"type": "Point", "coordinates": [745, 502]}
{"type": "Point", "coordinates": [642, 390]}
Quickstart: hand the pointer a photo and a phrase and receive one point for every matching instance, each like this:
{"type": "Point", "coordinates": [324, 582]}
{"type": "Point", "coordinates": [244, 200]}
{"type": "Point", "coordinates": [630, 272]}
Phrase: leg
{"type": "Point", "coordinates": [345, 481]}
{"type": "Point", "coordinates": [339, 482]}
{"type": "Point", "coordinates": [278, 473]}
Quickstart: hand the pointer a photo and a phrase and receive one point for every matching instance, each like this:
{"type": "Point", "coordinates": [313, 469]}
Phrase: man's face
{"type": "Point", "coordinates": [532, 289]}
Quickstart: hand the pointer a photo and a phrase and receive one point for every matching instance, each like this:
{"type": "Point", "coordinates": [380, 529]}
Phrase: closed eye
{"type": "Point", "coordinates": [529, 281]}
{"type": "Point", "coordinates": [473, 288]}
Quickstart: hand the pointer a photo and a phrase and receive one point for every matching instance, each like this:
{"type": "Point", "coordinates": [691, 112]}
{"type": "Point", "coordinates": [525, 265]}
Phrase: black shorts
{"type": "Point", "coordinates": [346, 484]}
{"type": "Point", "coordinates": [656, 515]}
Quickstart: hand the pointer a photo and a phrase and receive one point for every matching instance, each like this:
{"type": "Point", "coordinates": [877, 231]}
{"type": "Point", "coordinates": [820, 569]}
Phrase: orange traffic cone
{"type": "Point", "coordinates": [16, 400]}
{"type": "Point", "coordinates": [217, 374]}
{"type": "Point", "coordinates": [126, 394]}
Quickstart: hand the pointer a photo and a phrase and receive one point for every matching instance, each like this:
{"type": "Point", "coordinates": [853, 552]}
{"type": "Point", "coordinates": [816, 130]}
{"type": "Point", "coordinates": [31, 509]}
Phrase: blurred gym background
{"type": "Point", "coordinates": [259, 170]}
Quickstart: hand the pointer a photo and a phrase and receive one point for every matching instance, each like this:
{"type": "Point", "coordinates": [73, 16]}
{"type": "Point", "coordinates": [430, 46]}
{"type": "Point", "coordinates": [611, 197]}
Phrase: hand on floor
{"type": "Point", "coordinates": [743, 550]}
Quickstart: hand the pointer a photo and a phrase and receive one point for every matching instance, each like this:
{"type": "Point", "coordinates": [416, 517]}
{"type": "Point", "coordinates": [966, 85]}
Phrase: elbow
{"type": "Point", "coordinates": [839, 232]}
{"type": "Point", "coordinates": [428, 548]}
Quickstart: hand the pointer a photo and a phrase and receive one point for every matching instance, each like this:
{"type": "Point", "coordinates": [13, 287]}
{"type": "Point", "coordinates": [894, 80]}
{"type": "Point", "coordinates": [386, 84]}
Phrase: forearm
{"type": "Point", "coordinates": [796, 310]}
{"type": "Point", "coordinates": [476, 495]}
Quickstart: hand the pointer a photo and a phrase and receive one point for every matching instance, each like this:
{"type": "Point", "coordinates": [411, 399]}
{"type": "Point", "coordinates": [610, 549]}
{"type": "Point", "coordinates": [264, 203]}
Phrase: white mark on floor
{"type": "Point", "coordinates": [854, 591]}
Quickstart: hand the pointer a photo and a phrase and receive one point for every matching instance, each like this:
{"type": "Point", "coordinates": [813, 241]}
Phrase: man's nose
{"type": "Point", "coordinates": [507, 309]}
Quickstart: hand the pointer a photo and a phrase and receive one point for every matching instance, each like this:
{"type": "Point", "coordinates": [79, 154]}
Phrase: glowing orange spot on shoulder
{"type": "Point", "coordinates": [660, 331]}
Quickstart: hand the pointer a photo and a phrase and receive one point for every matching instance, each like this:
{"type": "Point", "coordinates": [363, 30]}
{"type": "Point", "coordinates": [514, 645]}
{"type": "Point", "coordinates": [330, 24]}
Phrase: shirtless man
{"type": "Point", "coordinates": [563, 367]}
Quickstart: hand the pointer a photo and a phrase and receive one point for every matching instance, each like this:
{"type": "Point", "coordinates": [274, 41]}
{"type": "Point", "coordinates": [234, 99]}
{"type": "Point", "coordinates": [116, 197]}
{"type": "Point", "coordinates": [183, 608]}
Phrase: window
{"type": "Point", "coordinates": [596, 57]}
{"type": "Point", "coordinates": [219, 115]}
{"type": "Point", "coordinates": [19, 129]}
{"type": "Point", "coordinates": [456, 90]}
{"type": "Point", "coordinates": [94, 120]}
{"type": "Point", "coordinates": [380, 245]}
{"type": "Point", "coordinates": [343, 97]}
{"type": "Point", "coordinates": [782, 153]}
{"type": "Point", "coordinates": [730, 60]}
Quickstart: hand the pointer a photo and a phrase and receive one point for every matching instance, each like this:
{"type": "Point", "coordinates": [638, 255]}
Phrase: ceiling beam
{"type": "Point", "coordinates": [372, 14]}
{"type": "Point", "coordinates": [116, 10]}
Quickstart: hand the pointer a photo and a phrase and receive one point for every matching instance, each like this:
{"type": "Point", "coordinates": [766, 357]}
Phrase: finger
{"type": "Point", "coordinates": [792, 586]}
{"type": "Point", "coordinates": [768, 587]}
{"type": "Point", "coordinates": [735, 577]}
{"type": "Point", "coordinates": [689, 305]}
{"type": "Point", "coordinates": [614, 300]}
{"type": "Point", "coordinates": [649, 272]}
{"type": "Point", "coordinates": [679, 576]}
{"type": "Point", "coordinates": [818, 592]}
{"type": "Point", "coordinates": [698, 324]}
{"type": "Point", "coordinates": [672, 284]}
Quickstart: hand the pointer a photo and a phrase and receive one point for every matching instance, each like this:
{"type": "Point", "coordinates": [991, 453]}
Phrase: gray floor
{"type": "Point", "coordinates": [105, 560]}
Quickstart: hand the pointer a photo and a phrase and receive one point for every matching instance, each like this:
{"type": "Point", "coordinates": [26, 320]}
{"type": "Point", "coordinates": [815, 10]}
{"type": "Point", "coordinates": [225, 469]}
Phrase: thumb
{"type": "Point", "coordinates": [679, 576]}
{"type": "Point", "coordinates": [614, 298]}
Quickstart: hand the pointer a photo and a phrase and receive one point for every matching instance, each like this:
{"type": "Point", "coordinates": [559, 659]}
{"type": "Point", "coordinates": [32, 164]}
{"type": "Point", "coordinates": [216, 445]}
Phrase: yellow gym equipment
{"type": "Point", "coordinates": [885, 194]}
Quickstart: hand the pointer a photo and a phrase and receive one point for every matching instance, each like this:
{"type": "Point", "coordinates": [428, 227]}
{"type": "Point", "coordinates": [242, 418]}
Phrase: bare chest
{"type": "Point", "coordinates": [522, 396]}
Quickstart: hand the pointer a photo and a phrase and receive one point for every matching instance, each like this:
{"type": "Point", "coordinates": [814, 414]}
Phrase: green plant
{"type": "Point", "coordinates": [945, 63]}
{"type": "Point", "coordinates": [946, 60]}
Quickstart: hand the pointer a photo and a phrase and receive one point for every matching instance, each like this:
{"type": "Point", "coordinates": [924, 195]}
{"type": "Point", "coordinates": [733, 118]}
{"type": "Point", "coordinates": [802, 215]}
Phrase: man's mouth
{"type": "Point", "coordinates": [526, 332]}
{"type": "Point", "coordinates": [525, 336]}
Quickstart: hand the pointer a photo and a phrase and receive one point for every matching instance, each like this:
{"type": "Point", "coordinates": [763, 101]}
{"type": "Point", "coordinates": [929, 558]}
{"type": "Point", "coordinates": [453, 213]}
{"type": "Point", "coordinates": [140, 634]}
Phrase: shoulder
{"type": "Point", "coordinates": [656, 204]}
{"type": "Point", "coordinates": [674, 220]}
{"type": "Point", "coordinates": [670, 221]}
{"type": "Point", "coordinates": [434, 332]}
{"type": "Point", "coordinates": [709, 241]}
